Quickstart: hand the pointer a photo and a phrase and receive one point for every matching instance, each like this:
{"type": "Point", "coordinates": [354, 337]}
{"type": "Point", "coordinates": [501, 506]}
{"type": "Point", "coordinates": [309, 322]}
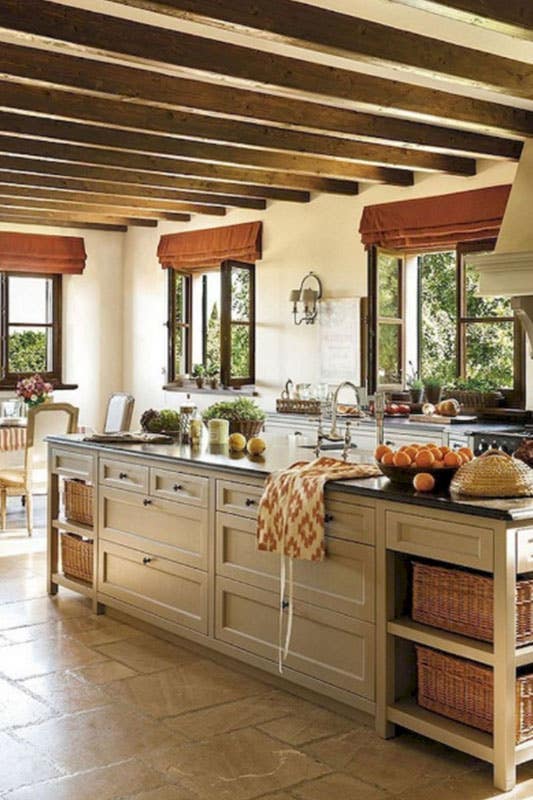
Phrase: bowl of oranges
{"type": "Point", "coordinates": [424, 466]}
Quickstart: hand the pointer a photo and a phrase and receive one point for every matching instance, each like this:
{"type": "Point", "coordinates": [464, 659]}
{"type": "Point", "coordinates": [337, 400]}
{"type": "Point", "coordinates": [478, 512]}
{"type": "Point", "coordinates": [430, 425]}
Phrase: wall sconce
{"type": "Point", "coordinates": [307, 299]}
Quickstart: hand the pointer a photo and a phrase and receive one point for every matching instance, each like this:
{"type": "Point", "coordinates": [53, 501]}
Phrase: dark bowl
{"type": "Point", "coordinates": [403, 476]}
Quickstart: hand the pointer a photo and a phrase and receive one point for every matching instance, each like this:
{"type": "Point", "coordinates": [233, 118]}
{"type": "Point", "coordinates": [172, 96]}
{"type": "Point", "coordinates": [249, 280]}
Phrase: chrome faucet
{"type": "Point", "coordinates": [334, 435]}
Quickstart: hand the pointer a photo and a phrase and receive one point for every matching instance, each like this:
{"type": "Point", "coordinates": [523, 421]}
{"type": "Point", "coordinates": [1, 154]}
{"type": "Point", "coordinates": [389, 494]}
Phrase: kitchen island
{"type": "Point", "coordinates": [174, 545]}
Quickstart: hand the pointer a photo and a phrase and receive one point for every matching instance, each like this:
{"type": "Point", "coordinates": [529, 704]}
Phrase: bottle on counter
{"type": "Point", "coordinates": [195, 428]}
{"type": "Point", "coordinates": [187, 410]}
{"type": "Point", "coordinates": [218, 431]}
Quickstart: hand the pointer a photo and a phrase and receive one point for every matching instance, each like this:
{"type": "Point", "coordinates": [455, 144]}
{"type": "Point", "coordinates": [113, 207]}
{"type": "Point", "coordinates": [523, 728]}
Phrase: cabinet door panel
{"type": "Point", "coordinates": [238, 498]}
{"type": "Point", "coordinates": [181, 486]}
{"type": "Point", "coordinates": [123, 475]}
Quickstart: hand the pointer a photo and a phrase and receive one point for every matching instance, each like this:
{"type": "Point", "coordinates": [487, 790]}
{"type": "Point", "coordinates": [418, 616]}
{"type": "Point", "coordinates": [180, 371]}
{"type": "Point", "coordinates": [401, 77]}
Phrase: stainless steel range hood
{"type": "Point", "coordinates": [508, 271]}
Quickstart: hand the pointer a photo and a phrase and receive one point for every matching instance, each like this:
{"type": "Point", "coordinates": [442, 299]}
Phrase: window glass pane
{"type": "Point", "coordinates": [30, 300]}
{"type": "Point", "coordinates": [181, 298]}
{"type": "Point", "coordinates": [180, 347]}
{"type": "Point", "coordinates": [240, 351]}
{"type": "Point", "coordinates": [240, 294]}
{"type": "Point", "coordinates": [489, 353]}
{"type": "Point", "coordinates": [30, 349]}
{"type": "Point", "coordinates": [388, 286]}
{"type": "Point", "coordinates": [389, 353]}
{"type": "Point", "coordinates": [212, 321]}
{"type": "Point", "coordinates": [438, 315]}
{"type": "Point", "coordinates": [483, 306]}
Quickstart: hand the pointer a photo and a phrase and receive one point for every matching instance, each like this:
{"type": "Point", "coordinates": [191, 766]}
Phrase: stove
{"type": "Point", "coordinates": [507, 440]}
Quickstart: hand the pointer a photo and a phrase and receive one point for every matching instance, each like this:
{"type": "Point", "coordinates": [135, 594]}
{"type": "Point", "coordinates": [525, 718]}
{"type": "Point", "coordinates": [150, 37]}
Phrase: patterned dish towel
{"type": "Point", "coordinates": [291, 520]}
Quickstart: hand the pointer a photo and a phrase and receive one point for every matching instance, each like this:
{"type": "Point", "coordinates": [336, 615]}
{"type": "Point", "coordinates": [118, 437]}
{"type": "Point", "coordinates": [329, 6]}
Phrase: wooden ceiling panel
{"type": "Point", "coordinates": [38, 219]}
{"type": "Point", "coordinates": [511, 17]}
{"type": "Point", "coordinates": [76, 216]}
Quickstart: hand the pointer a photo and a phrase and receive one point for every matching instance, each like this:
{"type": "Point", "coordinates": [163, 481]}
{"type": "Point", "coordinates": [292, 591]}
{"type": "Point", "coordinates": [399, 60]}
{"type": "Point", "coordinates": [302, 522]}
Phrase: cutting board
{"type": "Point", "coordinates": [438, 419]}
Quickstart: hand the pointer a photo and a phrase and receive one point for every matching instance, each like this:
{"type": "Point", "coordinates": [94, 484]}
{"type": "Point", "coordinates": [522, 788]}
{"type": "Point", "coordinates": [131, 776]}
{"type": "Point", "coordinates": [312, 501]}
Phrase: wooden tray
{"type": "Point", "coordinates": [439, 419]}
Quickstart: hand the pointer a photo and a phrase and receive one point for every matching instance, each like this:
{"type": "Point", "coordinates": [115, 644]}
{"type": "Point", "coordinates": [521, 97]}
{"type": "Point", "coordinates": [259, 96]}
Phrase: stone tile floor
{"type": "Point", "coordinates": [93, 709]}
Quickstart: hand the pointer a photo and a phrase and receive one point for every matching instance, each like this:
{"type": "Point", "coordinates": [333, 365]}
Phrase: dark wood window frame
{"type": "Point", "coordinates": [374, 320]}
{"type": "Point", "coordinates": [226, 323]}
{"type": "Point", "coordinates": [8, 380]}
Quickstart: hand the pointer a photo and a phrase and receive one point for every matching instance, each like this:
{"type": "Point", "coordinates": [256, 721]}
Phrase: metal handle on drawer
{"type": "Point", "coordinates": [147, 560]}
{"type": "Point", "coordinates": [328, 517]}
{"type": "Point", "coordinates": [147, 502]}
{"type": "Point", "coordinates": [122, 475]}
{"type": "Point", "coordinates": [250, 502]}
{"type": "Point", "coordinates": [177, 487]}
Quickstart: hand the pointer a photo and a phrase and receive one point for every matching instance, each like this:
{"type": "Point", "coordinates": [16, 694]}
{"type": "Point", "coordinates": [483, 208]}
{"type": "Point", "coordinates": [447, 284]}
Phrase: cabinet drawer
{"type": "Point", "coordinates": [123, 475]}
{"type": "Point", "coordinates": [327, 646]}
{"type": "Point", "coordinates": [350, 521]}
{"type": "Point", "coordinates": [69, 464]}
{"type": "Point", "coordinates": [169, 590]}
{"type": "Point", "coordinates": [524, 550]}
{"type": "Point", "coordinates": [343, 582]}
{"type": "Point", "coordinates": [238, 498]}
{"type": "Point", "coordinates": [441, 539]}
{"type": "Point", "coordinates": [180, 528]}
{"type": "Point", "coordinates": [180, 486]}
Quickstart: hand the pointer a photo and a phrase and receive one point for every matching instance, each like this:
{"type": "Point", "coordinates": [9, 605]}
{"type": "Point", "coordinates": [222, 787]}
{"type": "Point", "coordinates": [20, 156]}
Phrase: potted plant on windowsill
{"type": "Point", "coordinates": [433, 390]}
{"type": "Point", "coordinates": [198, 373]}
{"type": "Point", "coordinates": [474, 394]}
{"type": "Point", "coordinates": [414, 384]}
{"type": "Point", "coordinates": [244, 416]}
{"type": "Point", "coordinates": [214, 379]}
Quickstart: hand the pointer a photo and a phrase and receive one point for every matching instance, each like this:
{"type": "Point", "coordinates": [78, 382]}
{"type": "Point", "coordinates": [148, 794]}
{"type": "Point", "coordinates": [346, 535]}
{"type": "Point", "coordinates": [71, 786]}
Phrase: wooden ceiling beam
{"type": "Point", "coordinates": [139, 179]}
{"type": "Point", "coordinates": [37, 219]}
{"type": "Point", "coordinates": [177, 103]}
{"type": "Point", "coordinates": [88, 32]}
{"type": "Point", "coordinates": [94, 156]}
{"type": "Point", "coordinates": [8, 200]}
{"type": "Point", "coordinates": [150, 144]}
{"type": "Point", "coordinates": [164, 199]}
{"type": "Point", "coordinates": [146, 205]}
{"type": "Point", "coordinates": [326, 31]}
{"type": "Point", "coordinates": [74, 216]}
{"type": "Point", "coordinates": [512, 17]}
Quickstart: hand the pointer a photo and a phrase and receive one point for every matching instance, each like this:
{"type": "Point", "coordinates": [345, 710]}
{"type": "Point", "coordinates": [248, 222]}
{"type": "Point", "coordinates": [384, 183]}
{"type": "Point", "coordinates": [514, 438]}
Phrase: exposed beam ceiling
{"type": "Point", "coordinates": [89, 32]}
{"type": "Point", "coordinates": [511, 17]}
{"type": "Point", "coordinates": [67, 222]}
{"type": "Point", "coordinates": [37, 201]}
{"type": "Point", "coordinates": [76, 216]}
{"type": "Point", "coordinates": [344, 35]}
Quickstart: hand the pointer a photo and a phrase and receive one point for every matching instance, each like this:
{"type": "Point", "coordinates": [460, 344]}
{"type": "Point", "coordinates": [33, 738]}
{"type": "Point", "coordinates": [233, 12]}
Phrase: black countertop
{"type": "Point", "coordinates": [278, 457]}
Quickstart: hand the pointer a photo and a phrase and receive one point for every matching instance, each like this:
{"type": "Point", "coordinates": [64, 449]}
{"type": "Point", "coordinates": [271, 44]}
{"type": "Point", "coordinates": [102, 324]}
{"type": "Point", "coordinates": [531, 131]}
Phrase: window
{"type": "Point", "coordinates": [30, 326]}
{"type": "Point", "coordinates": [426, 309]}
{"type": "Point", "coordinates": [212, 322]}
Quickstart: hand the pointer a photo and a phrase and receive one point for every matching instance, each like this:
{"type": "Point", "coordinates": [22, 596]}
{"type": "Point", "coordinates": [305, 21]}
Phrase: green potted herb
{"type": "Point", "coordinates": [433, 390]}
{"type": "Point", "coordinates": [414, 384]}
{"type": "Point", "coordinates": [474, 394]}
{"type": "Point", "coordinates": [244, 415]}
{"type": "Point", "coordinates": [214, 379]}
{"type": "Point", "coordinates": [198, 373]}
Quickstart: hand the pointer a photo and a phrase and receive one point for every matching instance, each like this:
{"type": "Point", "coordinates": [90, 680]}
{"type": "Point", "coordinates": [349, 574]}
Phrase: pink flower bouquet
{"type": "Point", "coordinates": [34, 390]}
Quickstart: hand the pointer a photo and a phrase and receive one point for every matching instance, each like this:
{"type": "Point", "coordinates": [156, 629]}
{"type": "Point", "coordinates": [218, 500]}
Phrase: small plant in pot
{"type": "Point", "coordinates": [198, 373]}
{"type": "Point", "coordinates": [433, 390]}
{"type": "Point", "coordinates": [244, 416]}
{"type": "Point", "coordinates": [415, 385]}
{"type": "Point", "coordinates": [214, 378]}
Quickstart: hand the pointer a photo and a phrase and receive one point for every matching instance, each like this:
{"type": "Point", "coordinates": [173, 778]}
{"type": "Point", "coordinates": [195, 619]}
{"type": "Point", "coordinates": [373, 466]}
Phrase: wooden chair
{"type": "Point", "coordinates": [43, 420]}
{"type": "Point", "coordinates": [119, 413]}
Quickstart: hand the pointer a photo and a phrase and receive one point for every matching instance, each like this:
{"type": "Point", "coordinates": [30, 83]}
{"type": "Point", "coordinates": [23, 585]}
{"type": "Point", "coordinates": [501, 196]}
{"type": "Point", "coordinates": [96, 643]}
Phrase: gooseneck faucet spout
{"type": "Point", "coordinates": [334, 434]}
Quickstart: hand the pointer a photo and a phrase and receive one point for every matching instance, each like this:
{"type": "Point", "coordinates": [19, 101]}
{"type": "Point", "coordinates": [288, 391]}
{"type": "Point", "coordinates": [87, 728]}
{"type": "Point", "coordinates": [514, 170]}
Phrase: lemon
{"type": "Point", "coordinates": [237, 441]}
{"type": "Point", "coordinates": [256, 446]}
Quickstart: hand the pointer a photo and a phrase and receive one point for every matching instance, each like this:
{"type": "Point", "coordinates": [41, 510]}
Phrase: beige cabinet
{"type": "Point", "coordinates": [156, 585]}
{"type": "Point", "coordinates": [238, 498]}
{"type": "Point", "coordinates": [123, 475]}
{"type": "Point", "coordinates": [179, 486]}
{"type": "Point", "coordinates": [330, 647]}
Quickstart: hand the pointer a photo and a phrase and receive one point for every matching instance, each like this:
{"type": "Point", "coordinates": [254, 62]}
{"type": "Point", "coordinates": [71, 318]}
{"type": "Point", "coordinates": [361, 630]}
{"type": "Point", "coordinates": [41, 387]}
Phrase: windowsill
{"type": "Point", "coordinates": [190, 387]}
{"type": "Point", "coordinates": [8, 387]}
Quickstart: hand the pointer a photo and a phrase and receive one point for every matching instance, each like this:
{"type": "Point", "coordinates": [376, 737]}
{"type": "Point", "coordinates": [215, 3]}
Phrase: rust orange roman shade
{"type": "Point", "coordinates": [195, 250]}
{"type": "Point", "coordinates": [35, 252]}
{"type": "Point", "coordinates": [435, 223]}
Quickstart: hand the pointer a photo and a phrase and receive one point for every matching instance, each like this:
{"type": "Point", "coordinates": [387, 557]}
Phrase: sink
{"type": "Point", "coordinates": [328, 446]}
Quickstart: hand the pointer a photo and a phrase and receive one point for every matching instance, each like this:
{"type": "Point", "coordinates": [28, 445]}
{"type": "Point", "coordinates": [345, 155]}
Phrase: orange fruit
{"type": "Point", "coordinates": [444, 450]}
{"type": "Point", "coordinates": [401, 459]}
{"type": "Point", "coordinates": [411, 452]}
{"type": "Point", "coordinates": [424, 482]}
{"type": "Point", "coordinates": [380, 451]}
{"type": "Point", "coordinates": [439, 463]}
{"type": "Point", "coordinates": [466, 451]}
{"type": "Point", "coordinates": [453, 459]}
{"type": "Point", "coordinates": [425, 458]}
{"type": "Point", "coordinates": [387, 458]}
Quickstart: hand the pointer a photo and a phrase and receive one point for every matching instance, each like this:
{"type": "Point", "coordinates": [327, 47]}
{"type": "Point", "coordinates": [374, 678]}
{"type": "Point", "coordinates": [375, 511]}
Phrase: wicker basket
{"type": "Point", "coordinates": [248, 427]}
{"type": "Point", "coordinates": [77, 556]}
{"type": "Point", "coordinates": [464, 691]}
{"type": "Point", "coordinates": [460, 601]}
{"type": "Point", "coordinates": [79, 501]}
{"type": "Point", "coordinates": [284, 406]}
{"type": "Point", "coordinates": [474, 400]}
{"type": "Point", "coordinates": [494, 474]}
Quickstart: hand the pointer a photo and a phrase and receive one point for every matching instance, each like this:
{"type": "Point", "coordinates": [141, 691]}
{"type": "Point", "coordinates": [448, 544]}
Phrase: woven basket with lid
{"type": "Point", "coordinates": [494, 474]}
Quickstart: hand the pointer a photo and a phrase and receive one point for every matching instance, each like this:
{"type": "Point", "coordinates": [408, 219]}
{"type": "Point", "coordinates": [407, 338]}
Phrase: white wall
{"type": "Point", "coordinates": [321, 235]}
{"type": "Point", "coordinates": [92, 321]}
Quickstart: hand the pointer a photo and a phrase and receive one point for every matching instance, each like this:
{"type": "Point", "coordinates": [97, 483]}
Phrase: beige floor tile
{"type": "Point", "coordinates": [249, 712]}
{"type": "Point", "coordinates": [146, 654]}
{"type": "Point", "coordinates": [43, 609]}
{"type": "Point", "coordinates": [169, 792]}
{"type": "Point", "coordinates": [18, 708]}
{"type": "Point", "coordinates": [22, 588]}
{"type": "Point", "coordinates": [475, 785]}
{"type": "Point", "coordinates": [97, 738]}
{"type": "Point", "coordinates": [106, 672]}
{"type": "Point", "coordinates": [89, 630]}
{"type": "Point", "coordinates": [397, 765]}
{"type": "Point", "coordinates": [65, 693]}
{"type": "Point", "coordinates": [236, 766]}
{"type": "Point", "coordinates": [286, 796]}
{"type": "Point", "coordinates": [105, 783]}
{"type": "Point", "coordinates": [184, 688]}
{"type": "Point", "coordinates": [21, 765]}
{"type": "Point", "coordinates": [340, 786]}
{"type": "Point", "coordinates": [315, 723]}
{"type": "Point", "coordinates": [27, 660]}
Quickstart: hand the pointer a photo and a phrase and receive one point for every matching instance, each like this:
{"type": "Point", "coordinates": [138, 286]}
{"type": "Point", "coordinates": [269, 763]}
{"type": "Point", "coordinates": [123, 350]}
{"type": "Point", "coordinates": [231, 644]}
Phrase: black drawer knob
{"type": "Point", "coordinates": [147, 502]}
{"type": "Point", "coordinates": [250, 501]}
{"type": "Point", "coordinates": [122, 475]}
{"type": "Point", "coordinates": [328, 517]}
{"type": "Point", "coordinates": [147, 560]}
{"type": "Point", "coordinates": [177, 487]}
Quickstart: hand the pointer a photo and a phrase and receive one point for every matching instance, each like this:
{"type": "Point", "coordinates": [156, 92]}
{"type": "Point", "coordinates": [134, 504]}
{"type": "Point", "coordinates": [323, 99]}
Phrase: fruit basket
{"type": "Point", "coordinates": [403, 476]}
{"type": "Point", "coordinates": [437, 463]}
